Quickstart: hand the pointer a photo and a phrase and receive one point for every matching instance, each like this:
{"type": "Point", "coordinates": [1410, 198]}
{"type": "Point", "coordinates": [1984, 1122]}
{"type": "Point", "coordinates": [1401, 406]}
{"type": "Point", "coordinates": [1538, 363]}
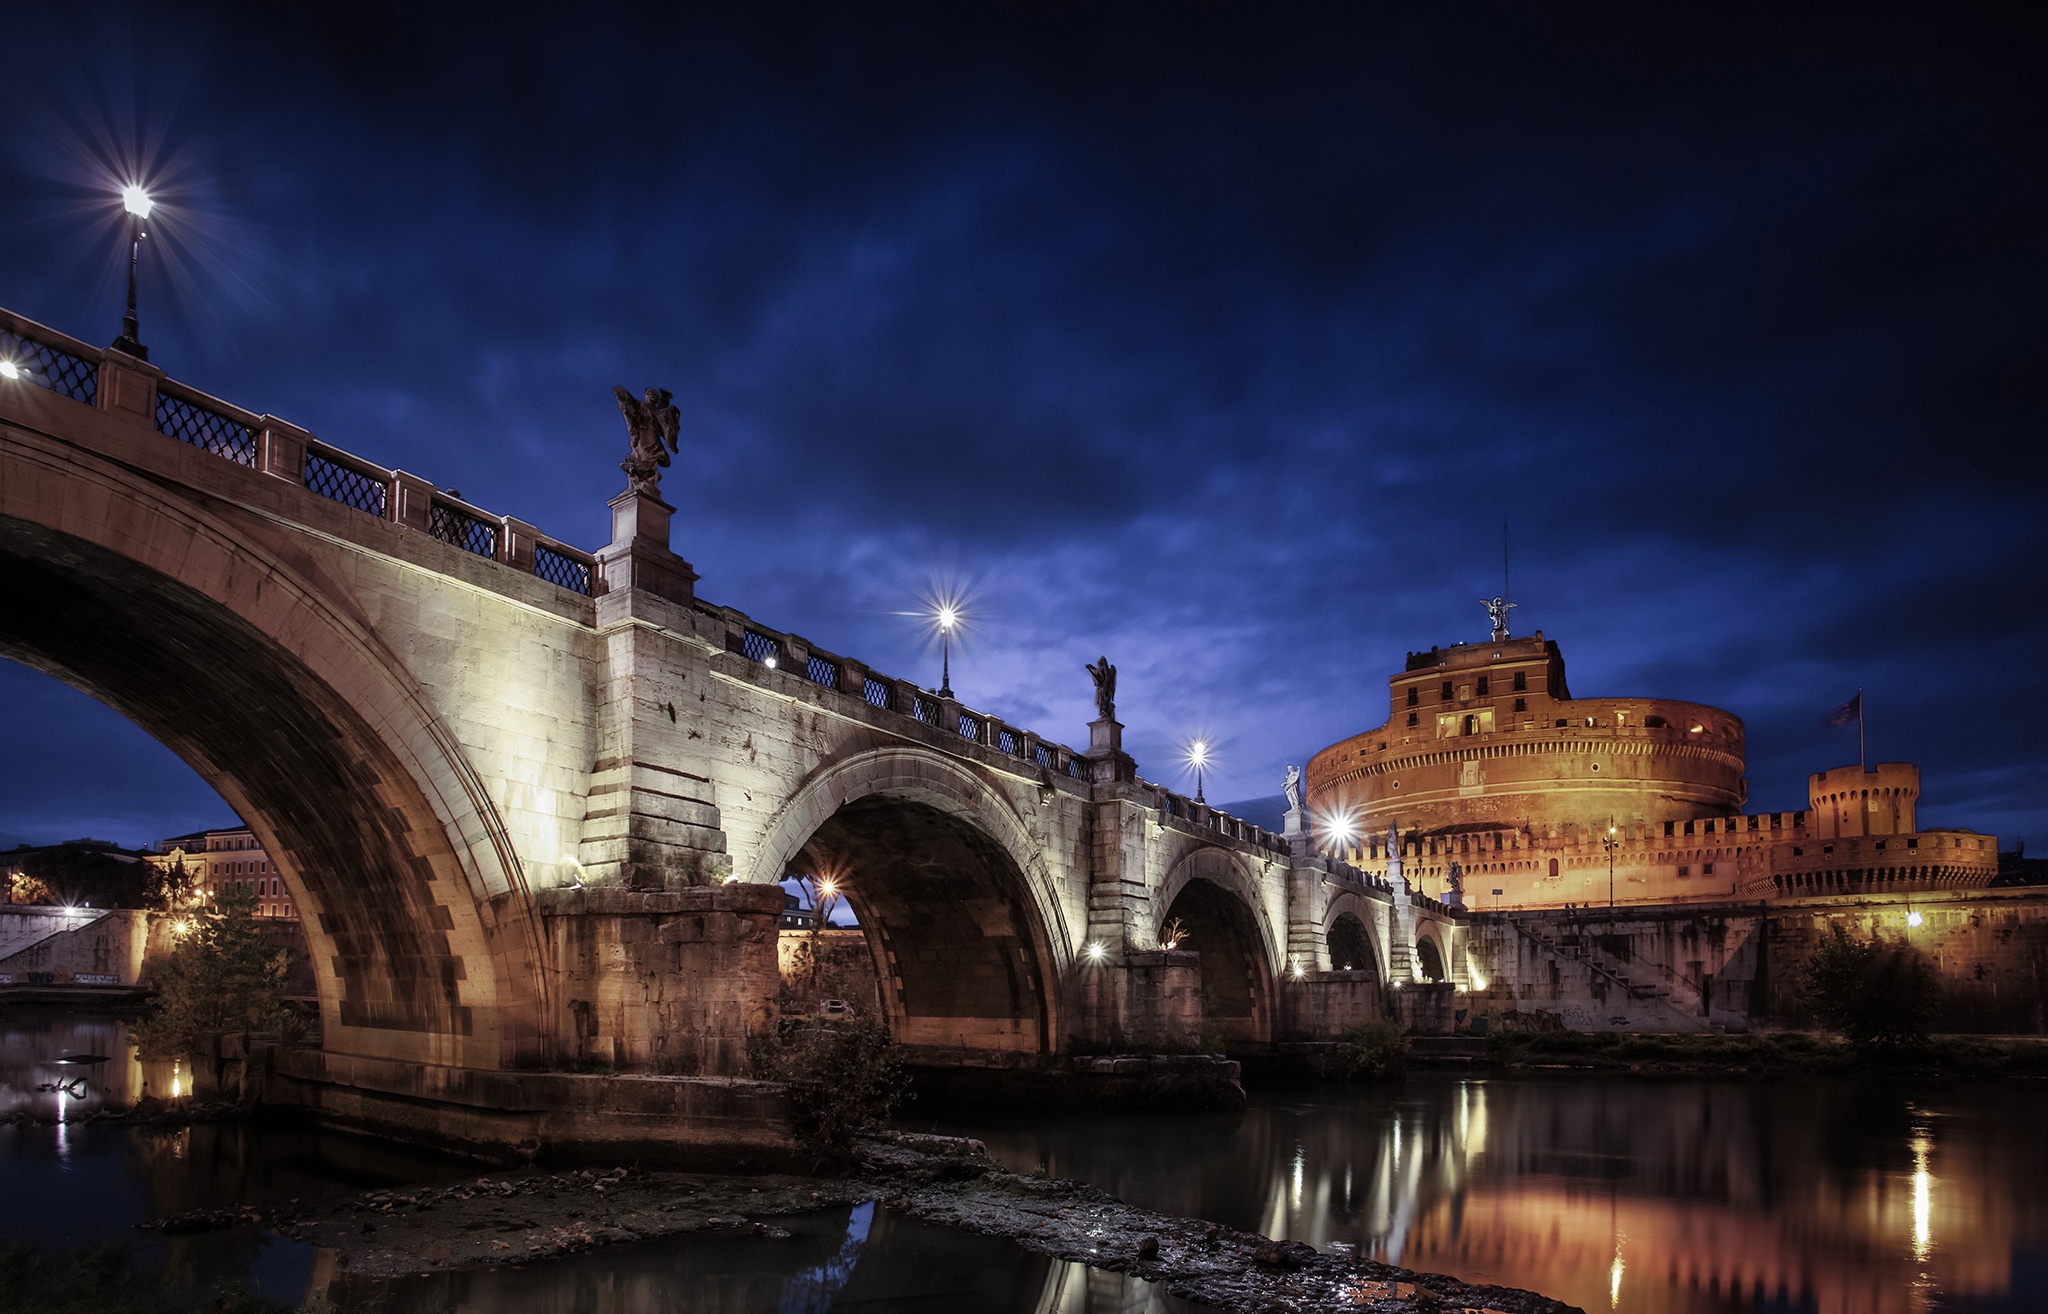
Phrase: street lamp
{"type": "Point", "coordinates": [946, 618]}
{"type": "Point", "coordinates": [1611, 843]}
{"type": "Point", "coordinates": [136, 202]}
{"type": "Point", "coordinates": [1198, 757]}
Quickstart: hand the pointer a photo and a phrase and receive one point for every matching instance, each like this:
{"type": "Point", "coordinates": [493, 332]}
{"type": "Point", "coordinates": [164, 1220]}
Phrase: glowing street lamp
{"type": "Point", "coordinates": [135, 200]}
{"type": "Point", "coordinates": [1198, 757]}
{"type": "Point", "coordinates": [946, 617]}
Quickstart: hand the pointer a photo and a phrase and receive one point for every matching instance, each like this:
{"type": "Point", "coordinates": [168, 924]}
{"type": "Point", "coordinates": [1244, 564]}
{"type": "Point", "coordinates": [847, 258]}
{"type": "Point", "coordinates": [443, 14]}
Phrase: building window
{"type": "Point", "coordinates": [1688, 827]}
{"type": "Point", "coordinates": [1912, 844]}
{"type": "Point", "coordinates": [1411, 715]}
{"type": "Point", "coordinates": [1668, 827]}
{"type": "Point", "coordinates": [1553, 868]}
{"type": "Point", "coordinates": [1521, 704]}
{"type": "Point", "coordinates": [1706, 869]}
{"type": "Point", "coordinates": [1562, 723]}
{"type": "Point", "coordinates": [1485, 685]}
{"type": "Point", "coordinates": [1685, 871]}
{"type": "Point", "coordinates": [1521, 681]}
{"type": "Point", "coordinates": [1472, 725]}
{"type": "Point", "coordinates": [1414, 695]}
{"type": "Point", "coordinates": [1447, 691]}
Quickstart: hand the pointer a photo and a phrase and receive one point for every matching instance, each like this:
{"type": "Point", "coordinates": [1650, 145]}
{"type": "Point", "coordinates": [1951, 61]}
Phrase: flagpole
{"type": "Point", "coordinates": [1862, 725]}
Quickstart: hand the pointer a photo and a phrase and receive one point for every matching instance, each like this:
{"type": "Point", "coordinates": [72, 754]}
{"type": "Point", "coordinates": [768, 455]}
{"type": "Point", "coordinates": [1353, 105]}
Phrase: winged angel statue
{"type": "Point", "coordinates": [655, 426]}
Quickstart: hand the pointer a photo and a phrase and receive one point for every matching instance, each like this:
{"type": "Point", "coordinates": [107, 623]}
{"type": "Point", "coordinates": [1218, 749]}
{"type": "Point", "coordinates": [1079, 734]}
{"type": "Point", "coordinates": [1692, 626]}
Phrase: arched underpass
{"type": "Point", "coordinates": [399, 961]}
{"type": "Point", "coordinates": [958, 947]}
{"type": "Point", "coordinates": [1237, 989]}
{"type": "Point", "coordinates": [1349, 948]}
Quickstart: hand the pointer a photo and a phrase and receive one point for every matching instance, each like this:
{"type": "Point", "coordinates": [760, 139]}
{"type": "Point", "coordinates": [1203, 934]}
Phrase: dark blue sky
{"type": "Point", "coordinates": [1216, 337]}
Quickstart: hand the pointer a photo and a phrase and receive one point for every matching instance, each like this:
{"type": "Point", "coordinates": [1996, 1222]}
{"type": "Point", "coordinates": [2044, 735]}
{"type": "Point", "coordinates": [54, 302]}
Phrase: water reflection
{"type": "Point", "coordinates": [844, 1259]}
{"type": "Point", "coordinates": [70, 1181]}
{"type": "Point", "coordinates": [1625, 1194]}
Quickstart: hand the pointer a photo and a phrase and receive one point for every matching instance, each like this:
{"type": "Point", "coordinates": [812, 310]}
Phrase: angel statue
{"type": "Point", "coordinates": [1105, 688]}
{"type": "Point", "coordinates": [1498, 609]}
{"type": "Point", "coordinates": [655, 426]}
{"type": "Point", "coordinates": [1293, 788]}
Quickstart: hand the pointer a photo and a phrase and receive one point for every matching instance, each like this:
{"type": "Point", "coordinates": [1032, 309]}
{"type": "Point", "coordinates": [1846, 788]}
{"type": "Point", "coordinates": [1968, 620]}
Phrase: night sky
{"type": "Point", "coordinates": [1218, 338]}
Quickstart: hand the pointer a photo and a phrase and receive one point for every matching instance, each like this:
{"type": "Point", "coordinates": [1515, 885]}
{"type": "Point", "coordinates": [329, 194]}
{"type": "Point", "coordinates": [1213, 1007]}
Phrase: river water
{"type": "Point", "coordinates": [1662, 1196]}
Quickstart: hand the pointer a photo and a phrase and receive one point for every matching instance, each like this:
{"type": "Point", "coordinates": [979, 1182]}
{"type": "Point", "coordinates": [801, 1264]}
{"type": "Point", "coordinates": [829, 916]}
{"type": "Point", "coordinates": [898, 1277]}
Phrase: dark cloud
{"type": "Point", "coordinates": [1215, 337]}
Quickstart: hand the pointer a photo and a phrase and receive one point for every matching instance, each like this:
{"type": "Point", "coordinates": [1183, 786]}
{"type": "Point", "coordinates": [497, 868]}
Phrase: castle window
{"type": "Point", "coordinates": [1912, 844]}
{"type": "Point", "coordinates": [1706, 869]}
{"type": "Point", "coordinates": [1521, 704]}
{"type": "Point", "coordinates": [1521, 681]}
{"type": "Point", "coordinates": [1485, 685]}
{"type": "Point", "coordinates": [1553, 868]}
{"type": "Point", "coordinates": [1655, 722]}
{"type": "Point", "coordinates": [1414, 695]}
{"type": "Point", "coordinates": [1447, 691]}
{"type": "Point", "coordinates": [1798, 852]}
{"type": "Point", "coordinates": [1562, 723]}
{"type": "Point", "coordinates": [1685, 871]}
{"type": "Point", "coordinates": [1411, 715]}
{"type": "Point", "coordinates": [1688, 827]}
{"type": "Point", "coordinates": [1471, 725]}
{"type": "Point", "coordinates": [1668, 827]}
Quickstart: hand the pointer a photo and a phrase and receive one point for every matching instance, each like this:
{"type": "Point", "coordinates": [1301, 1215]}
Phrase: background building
{"type": "Point", "coordinates": [215, 859]}
{"type": "Point", "coordinates": [1509, 792]}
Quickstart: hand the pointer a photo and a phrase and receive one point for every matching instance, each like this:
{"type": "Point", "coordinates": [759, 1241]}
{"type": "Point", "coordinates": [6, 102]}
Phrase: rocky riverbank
{"type": "Point", "coordinates": [522, 1217]}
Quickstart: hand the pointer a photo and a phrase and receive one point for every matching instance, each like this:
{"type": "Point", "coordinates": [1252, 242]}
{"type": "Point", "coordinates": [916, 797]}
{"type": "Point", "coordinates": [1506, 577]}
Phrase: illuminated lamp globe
{"type": "Point", "coordinates": [136, 201]}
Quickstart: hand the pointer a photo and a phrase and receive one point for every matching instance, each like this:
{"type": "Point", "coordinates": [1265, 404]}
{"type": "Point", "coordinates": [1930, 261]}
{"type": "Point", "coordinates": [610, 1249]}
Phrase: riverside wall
{"type": "Point", "coordinates": [1736, 966]}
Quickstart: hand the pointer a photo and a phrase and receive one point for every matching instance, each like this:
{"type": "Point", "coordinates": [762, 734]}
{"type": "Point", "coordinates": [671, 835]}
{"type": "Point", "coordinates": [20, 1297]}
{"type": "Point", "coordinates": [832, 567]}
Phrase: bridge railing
{"type": "Point", "coordinates": [1204, 817]}
{"type": "Point", "coordinates": [800, 658]}
{"type": "Point", "coordinates": [40, 356]}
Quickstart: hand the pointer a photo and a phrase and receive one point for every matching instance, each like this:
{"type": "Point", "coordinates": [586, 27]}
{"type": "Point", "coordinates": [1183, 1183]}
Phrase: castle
{"type": "Point", "coordinates": [1507, 792]}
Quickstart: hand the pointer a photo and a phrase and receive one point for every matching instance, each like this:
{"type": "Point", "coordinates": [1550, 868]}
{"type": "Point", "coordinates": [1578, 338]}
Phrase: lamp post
{"type": "Point", "coordinates": [1198, 757]}
{"type": "Point", "coordinates": [1610, 842]}
{"type": "Point", "coordinates": [138, 205]}
{"type": "Point", "coordinates": [946, 618]}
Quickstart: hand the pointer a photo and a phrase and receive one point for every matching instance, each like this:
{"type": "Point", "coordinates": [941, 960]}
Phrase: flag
{"type": "Point", "coordinates": [1847, 712]}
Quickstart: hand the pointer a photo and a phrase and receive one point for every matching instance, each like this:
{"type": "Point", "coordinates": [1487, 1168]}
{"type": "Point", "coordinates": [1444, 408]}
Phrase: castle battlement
{"type": "Point", "coordinates": [1504, 784]}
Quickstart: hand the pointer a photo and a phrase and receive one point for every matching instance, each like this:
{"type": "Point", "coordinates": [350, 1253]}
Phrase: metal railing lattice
{"type": "Point", "coordinates": [189, 422]}
{"type": "Point", "coordinates": [561, 570]}
{"type": "Point", "coordinates": [457, 528]}
{"type": "Point", "coordinates": [337, 483]}
{"type": "Point", "coordinates": [49, 367]}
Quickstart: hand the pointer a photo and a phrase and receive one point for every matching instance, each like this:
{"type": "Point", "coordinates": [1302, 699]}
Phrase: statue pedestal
{"type": "Point", "coordinates": [638, 557]}
{"type": "Point", "coordinates": [1106, 752]}
{"type": "Point", "coordinates": [1295, 823]}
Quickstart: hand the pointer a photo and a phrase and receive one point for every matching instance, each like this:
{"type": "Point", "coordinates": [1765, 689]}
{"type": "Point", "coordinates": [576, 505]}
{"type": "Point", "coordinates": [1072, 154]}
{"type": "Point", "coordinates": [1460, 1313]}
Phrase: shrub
{"type": "Point", "coordinates": [843, 1078]}
{"type": "Point", "coordinates": [104, 1279]}
{"type": "Point", "coordinates": [221, 976]}
{"type": "Point", "coordinates": [1877, 994]}
{"type": "Point", "coordinates": [1374, 1049]}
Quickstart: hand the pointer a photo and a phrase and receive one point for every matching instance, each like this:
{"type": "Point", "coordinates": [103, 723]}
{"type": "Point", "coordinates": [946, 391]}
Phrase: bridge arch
{"type": "Point", "coordinates": [1214, 893]}
{"type": "Point", "coordinates": [961, 913]}
{"type": "Point", "coordinates": [1348, 936]}
{"type": "Point", "coordinates": [198, 621]}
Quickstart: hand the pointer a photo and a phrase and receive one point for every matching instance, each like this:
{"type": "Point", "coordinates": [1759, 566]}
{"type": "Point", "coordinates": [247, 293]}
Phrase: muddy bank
{"type": "Point", "coordinates": [520, 1217]}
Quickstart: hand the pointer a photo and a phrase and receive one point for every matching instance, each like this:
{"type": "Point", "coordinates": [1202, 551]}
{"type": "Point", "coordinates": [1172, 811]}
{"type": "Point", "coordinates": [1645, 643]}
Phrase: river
{"type": "Point", "coordinates": [1612, 1193]}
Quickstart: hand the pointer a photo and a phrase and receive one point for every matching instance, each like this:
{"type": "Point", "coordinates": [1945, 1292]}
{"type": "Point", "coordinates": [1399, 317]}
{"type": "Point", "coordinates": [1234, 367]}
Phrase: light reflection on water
{"type": "Point", "coordinates": [1669, 1197]}
{"type": "Point", "coordinates": [74, 1181]}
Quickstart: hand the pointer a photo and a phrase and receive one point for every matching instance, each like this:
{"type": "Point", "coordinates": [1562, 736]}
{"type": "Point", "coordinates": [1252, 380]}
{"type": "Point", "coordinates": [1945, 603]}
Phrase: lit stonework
{"type": "Point", "coordinates": [1501, 782]}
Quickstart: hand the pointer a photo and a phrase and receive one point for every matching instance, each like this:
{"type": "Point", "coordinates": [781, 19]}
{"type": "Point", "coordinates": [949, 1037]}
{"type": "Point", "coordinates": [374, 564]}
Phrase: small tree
{"type": "Point", "coordinates": [843, 1078]}
{"type": "Point", "coordinates": [220, 976]}
{"type": "Point", "coordinates": [1877, 994]}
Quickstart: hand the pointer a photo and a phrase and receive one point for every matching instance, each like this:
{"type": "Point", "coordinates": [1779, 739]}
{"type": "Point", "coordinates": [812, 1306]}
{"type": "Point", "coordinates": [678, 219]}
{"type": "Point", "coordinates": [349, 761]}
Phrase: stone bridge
{"type": "Point", "coordinates": [534, 802]}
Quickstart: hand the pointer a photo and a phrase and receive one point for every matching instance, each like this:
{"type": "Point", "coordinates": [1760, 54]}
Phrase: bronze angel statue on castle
{"type": "Point", "coordinates": [655, 426]}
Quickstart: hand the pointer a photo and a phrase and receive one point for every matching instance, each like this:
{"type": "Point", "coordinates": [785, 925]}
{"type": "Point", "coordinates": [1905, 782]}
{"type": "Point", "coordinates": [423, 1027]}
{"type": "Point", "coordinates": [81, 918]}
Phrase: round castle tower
{"type": "Point", "coordinates": [1486, 737]}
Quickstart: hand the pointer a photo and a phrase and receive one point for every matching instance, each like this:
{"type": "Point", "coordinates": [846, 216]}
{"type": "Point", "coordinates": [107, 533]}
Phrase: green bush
{"type": "Point", "coordinates": [1880, 995]}
{"type": "Point", "coordinates": [843, 1078]}
{"type": "Point", "coordinates": [221, 976]}
{"type": "Point", "coordinates": [1374, 1049]}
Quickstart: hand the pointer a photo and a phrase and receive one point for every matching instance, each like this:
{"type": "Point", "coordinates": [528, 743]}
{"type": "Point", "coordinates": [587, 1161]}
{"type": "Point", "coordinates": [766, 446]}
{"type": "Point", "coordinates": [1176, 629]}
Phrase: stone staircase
{"type": "Point", "coordinates": [1662, 991]}
{"type": "Point", "coordinates": [21, 933]}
